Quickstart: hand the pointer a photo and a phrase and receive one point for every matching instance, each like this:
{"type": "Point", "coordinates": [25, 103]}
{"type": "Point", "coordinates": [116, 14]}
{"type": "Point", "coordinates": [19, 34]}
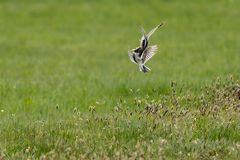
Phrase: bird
{"type": "Point", "coordinates": [143, 53]}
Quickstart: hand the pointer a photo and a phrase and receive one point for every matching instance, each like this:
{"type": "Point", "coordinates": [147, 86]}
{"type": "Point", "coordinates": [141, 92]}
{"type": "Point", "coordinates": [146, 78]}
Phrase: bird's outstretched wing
{"type": "Point", "coordinates": [131, 56]}
{"type": "Point", "coordinates": [145, 37]}
{"type": "Point", "coordinates": [148, 53]}
{"type": "Point", "coordinates": [153, 30]}
{"type": "Point", "coordinates": [142, 30]}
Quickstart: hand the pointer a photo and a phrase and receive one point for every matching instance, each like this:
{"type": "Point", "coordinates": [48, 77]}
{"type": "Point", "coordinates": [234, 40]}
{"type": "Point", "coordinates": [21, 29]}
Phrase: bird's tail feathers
{"type": "Point", "coordinates": [144, 68]}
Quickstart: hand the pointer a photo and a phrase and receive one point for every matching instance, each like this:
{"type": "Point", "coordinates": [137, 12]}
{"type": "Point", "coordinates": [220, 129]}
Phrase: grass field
{"type": "Point", "coordinates": [69, 91]}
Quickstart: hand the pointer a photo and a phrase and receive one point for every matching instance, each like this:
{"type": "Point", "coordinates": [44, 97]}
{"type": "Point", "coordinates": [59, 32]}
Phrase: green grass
{"type": "Point", "coordinates": [60, 58]}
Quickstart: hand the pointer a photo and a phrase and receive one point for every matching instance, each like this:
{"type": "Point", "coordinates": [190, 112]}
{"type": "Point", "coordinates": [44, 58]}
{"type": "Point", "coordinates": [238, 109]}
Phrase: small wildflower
{"type": "Point", "coordinates": [238, 145]}
{"type": "Point", "coordinates": [130, 89]}
{"type": "Point", "coordinates": [117, 153]}
{"type": "Point", "coordinates": [75, 109]}
{"type": "Point", "coordinates": [195, 141]}
{"type": "Point", "coordinates": [162, 141]}
{"type": "Point", "coordinates": [27, 150]}
{"type": "Point", "coordinates": [68, 149]}
{"type": "Point", "coordinates": [92, 109]}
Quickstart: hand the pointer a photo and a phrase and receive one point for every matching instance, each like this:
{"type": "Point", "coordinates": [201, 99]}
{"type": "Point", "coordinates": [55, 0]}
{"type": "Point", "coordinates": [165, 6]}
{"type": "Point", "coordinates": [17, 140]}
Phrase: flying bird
{"type": "Point", "coordinates": [143, 53]}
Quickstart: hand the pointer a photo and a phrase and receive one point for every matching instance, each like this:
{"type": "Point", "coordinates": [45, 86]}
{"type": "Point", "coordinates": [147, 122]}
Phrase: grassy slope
{"type": "Point", "coordinates": [73, 54]}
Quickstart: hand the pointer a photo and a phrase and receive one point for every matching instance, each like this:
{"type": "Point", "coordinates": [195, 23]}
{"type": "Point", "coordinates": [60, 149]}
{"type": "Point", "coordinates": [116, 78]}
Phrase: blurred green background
{"type": "Point", "coordinates": [58, 58]}
{"type": "Point", "coordinates": [73, 54]}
